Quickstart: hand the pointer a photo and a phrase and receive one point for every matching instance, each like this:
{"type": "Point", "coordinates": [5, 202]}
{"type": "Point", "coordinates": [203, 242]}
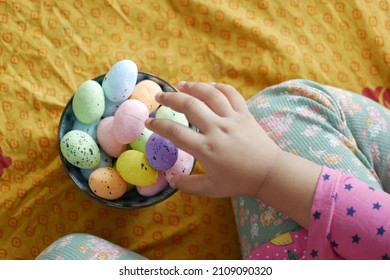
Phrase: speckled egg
{"type": "Point", "coordinates": [135, 169]}
{"type": "Point", "coordinates": [145, 91]}
{"type": "Point", "coordinates": [91, 128]}
{"type": "Point", "coordinates": [120, 80]}
{"type": "Point", "coordinates": [106, 182]}
{"type": "Point", "coordinates": [110, 107]}
{"type": "Point", "coordinates": [164, 112]}
{"type": "Point", "coordinates": [183, 165]}
{"type": "Point", "coordinates": [139, 144]}
{"type": "Point", "coordinates": [160, 152]}
{"type": "Point", "coordinates": [105, 161]}
{"type": "Point", "coordinates": [154, 189]}
{"type": "Point", "coordinates": [129, 121]}
{"type": "Point", "coordinates": [106, 139]}
{"type": "Point", "coordinates": [80, 149]}
{"type": "Point", "coordinates": [88, 102]}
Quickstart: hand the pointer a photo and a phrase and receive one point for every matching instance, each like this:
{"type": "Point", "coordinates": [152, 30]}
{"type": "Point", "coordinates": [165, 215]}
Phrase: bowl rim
{"type": "Point", "coordinates": [136, 200]}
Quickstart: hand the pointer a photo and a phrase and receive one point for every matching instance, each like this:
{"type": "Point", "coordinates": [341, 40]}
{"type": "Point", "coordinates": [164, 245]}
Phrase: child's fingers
{"type": "Point", "coordinates": [235, 98]}
{"type": "Point", "coordinates": [197, 112]}
{"type": "Point", "coordinates": [211, 96]}
{"type": "Point", "coordinates": [199, 185]}
{"type": "Point", "coordinates": [181, 136]}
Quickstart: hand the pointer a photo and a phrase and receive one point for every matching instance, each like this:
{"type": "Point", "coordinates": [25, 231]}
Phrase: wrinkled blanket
{"type": "Point", "coordinates": [48, 48]}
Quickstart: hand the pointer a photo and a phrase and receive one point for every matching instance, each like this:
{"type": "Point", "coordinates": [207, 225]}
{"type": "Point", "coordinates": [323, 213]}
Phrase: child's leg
{"type": "Point", "coordinates": [80, 246]}
{"type": "Point", "coordinates": [329, 126]}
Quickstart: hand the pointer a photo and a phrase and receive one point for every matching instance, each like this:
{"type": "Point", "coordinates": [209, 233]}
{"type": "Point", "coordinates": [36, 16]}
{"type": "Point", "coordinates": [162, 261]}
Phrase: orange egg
{"type": "Point", "coordinates": [106, 183]}
{"type": "Point", "coordinates": [145, 92]}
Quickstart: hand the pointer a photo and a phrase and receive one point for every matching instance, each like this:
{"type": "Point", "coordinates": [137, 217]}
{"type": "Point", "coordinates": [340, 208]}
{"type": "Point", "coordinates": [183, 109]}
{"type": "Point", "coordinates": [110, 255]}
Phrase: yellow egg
{"type": "Point", "coordinates": [106, 182]}
{"type": "Point", "coordinates": [135, 169]}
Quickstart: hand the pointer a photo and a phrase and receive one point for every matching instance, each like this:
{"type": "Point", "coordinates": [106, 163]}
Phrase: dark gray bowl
{"type": "Point", "coordinates": [131, 199]}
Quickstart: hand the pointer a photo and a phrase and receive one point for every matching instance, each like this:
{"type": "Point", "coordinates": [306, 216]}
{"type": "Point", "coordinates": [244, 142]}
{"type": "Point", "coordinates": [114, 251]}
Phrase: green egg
{"type": "Point", "coordinates": [80, 149]}
{"type": "Point", "coordinates": [88, 102]}
{"type": "Point", "coordinates": [164, 112]}
{"type": "Point", "coordinates": [139, 144]}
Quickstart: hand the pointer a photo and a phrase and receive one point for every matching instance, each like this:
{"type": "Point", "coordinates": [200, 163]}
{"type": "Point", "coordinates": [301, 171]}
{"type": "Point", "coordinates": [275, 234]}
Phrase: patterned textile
{"type": "Point", "coordinates": [81, 246]}
{"type": "Point", "coordinates": [48, 48]}
{"type": "Point", "coordinates": [327, 125]}
{"type": "Point", "coordinates": [348, 221]}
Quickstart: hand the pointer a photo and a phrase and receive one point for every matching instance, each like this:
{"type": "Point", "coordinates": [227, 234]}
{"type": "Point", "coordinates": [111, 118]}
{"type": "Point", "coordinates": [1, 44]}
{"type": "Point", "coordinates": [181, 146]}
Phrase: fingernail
{"type": "Point", "coordinates": [213, 83]}
{"type": "Point", "coordinates": [158, 95]}
{"type": "Point", "coordinates": [148, 121]}
{"type": "Point", "coordinates": [181, 85]}
{"type": "Point", "coordinates": [172, 185]}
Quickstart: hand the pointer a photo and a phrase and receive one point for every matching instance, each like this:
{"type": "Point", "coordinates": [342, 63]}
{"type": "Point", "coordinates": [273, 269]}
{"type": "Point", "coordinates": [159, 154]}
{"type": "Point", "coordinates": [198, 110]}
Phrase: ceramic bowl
{"type": "Point", "coordinates": [131, 199]}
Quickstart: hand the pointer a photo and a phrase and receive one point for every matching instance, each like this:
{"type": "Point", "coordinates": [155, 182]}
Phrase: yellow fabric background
{"type": "Point", "coordinates": [48, 48]}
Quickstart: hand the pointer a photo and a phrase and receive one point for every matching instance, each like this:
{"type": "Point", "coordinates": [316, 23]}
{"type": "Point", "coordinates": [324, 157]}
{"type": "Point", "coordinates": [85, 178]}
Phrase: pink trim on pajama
{"type": "Point", "coordinates": [349, 220]}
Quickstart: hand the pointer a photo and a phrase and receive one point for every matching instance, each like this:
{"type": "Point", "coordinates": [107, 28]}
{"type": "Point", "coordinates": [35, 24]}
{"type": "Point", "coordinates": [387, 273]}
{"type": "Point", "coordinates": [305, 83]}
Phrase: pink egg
{"type": "Point", "coordinates": [129, 120]}
{"type": "Point", "coordinates": [183, 165]}
{"type": "Point", "coordinates": [105, 139]}
{"type": "Point", "coordinates": [151, 190]}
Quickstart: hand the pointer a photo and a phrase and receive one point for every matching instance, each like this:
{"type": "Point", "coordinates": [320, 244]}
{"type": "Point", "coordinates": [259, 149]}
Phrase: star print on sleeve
{"type": "Point", "coordinates": [350, 211]}
{"type": "Point", "coordinates": [348, 187]}
{"type": "Point", "coordinates": [314, 253]}
{"type": "Point", "coordinates": [356, 239]}
{"type": "Point", "coordinates": [353, 226]}
{"type": "Point", "coordinates": [317, 215]}
{"type": "Point", "coordinates": [380, 231]}
{"type": "Point", "coordinates": [376, 206]}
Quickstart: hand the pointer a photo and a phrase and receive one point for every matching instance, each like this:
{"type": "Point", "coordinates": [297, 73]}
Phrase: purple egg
{"type": "Point", "coordinates": [160, 152]}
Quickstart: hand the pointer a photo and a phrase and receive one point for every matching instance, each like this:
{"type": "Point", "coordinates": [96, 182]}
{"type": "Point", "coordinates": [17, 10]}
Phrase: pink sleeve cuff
{"type": "Point", "coordinates": [348, 219]}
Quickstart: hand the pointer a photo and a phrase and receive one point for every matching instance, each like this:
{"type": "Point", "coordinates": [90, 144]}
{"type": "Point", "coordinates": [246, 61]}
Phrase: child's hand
{"type": "Point", "coordinates": [234, 150]}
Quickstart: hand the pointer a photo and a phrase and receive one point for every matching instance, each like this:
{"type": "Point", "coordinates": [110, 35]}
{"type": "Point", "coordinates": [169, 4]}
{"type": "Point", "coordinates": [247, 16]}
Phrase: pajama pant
{"type": "Point", "coordinates": [329, 126]}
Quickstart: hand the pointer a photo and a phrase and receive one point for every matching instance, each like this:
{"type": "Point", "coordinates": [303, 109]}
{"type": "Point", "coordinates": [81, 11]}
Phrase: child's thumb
{"type": "Point", "coordinates": [197, 184]}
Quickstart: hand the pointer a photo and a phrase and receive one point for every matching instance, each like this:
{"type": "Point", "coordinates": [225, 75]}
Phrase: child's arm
{"type": "Point", "coordinates": [238, 156]}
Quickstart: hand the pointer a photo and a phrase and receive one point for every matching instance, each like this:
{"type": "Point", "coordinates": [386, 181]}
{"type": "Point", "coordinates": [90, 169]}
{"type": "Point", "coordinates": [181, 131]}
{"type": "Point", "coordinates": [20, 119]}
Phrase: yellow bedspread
{"type": "Point", "coordinates": [48, 48]}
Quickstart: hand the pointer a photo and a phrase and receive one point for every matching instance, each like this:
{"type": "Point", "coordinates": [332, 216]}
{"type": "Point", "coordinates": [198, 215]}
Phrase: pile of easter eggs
{"type": "Point", "coordinates": [109, 142]}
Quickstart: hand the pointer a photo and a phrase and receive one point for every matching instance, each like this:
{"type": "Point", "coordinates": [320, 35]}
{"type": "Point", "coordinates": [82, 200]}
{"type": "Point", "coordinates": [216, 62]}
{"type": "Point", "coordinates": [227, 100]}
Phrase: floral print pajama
{"type": "Point", "coordinates": [335, 128]}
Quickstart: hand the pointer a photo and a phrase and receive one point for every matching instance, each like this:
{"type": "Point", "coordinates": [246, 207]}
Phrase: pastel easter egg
{"type": "Point", "coordinates": [135, 169]}
{"type": "Point", "coordinates": [145, 91]}
{"type": "Point", "coordinates": [155, 188]}
{"type": "Point", "coordinates": [164, 112]}
{"type": "Point", "coordinates": [129, 121]}
{"type": "Point", "coordinates": [160, 152]}
{"type": "Point", "coordinates": [91, 128]}
{"type": "Point", "coordinates": [120, 80]}
{"type": "Point", "coordinates": [110, 107]}
{"type": "Point", "coordinates": [88, 102]}
{"type": "Point", "coordinates": [80, 149]}
{"type": "Point", "coordinates": [153, 114]}
{"type": "Point", "coordinates": [139, 144]}
{"type": "Point", "coordinates": [106, 182]}
{"type": "Point", "coordinates": [105, 161]}
{"type": "Point", "coordinates": [106, 140]}
{"type": "Point", "coordinates": [183, 165]}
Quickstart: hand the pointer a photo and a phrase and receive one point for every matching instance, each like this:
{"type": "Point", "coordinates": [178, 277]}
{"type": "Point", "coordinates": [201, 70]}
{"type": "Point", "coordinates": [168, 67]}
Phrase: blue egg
{"type": "Point", "coordinates": [90, 129]}
{"type": "Point", "coordinates": [120, 80]}
{"type": "Point", "coordinates": [110, 107]}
